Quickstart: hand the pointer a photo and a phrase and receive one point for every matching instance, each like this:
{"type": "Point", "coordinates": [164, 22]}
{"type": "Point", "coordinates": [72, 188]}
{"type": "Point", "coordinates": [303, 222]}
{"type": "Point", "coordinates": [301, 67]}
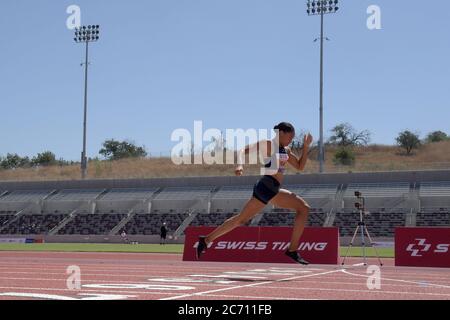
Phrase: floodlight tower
{"type": "Point", "coordinates": [86, 34]}
{"type": "Point", "coordinates": [315, 8]}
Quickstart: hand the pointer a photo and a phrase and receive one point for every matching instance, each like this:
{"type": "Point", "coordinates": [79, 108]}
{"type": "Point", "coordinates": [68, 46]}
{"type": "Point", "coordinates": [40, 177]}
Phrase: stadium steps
{"type": "Point", "coordinates": [16, 217]}
{"type": "Point", "coordinates": [329, 220]}
{"type": "Point", "coordinates": [396, 203]}
{"type": "Point", "coordinates": [411, 219]}
{"type": "Point", "coordinates": [122, 223]}
{"type": "Point", "coordinates": [338, 204]}
{"type": "Point", "coordinates": [415, 197]}
{"type": "Point", "coordinates": [414, 203]}
{"type": "Point", "coordinates": [11, 221]}
{"type": "Point", "coordinates": [73, 214]}
{"type": "Point", "coordinates": [20, 213]}
{"type": "Point", "coordinates": [256, 220]}
{"type": "Point", "coordinates": [93, 202]}
{"type": "Point", "coordinates": [149, 201]}
{"type": "Point", "coordinates": [42, 201]}
{"type": "Point", "coordinates": [180, 230]}
{"type": "Point", "coordinates": [63, 223]}
{"type": "Point", "coordinates": [132, 212]}
{"type": "Point", "coordinates": [192, 214]}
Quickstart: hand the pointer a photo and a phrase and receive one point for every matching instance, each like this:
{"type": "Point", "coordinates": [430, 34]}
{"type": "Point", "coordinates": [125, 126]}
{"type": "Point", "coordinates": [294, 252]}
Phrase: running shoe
{"type": "Point", "coordinates": [201, 247]}
{"type": "Point", "coordinates": [296, 257]}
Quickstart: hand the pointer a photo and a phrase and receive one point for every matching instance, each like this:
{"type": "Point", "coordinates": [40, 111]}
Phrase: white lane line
{"type": "Point", "coordinates": [226, 276]}
{"type": "Point", "coordinates": [200, 283]}
{"type": "Point", "coordinates": [144, 292]}
{"type": "Point", "coordinates": [131, 267]}
{"type": "Point", "coordinates": [8, 275]}
{"type": "Point", "coordinates": [36, 296]}
{"type": "Point", "coordinates": [421, 283]}
{"type": "Point", "coordinates": [431, 272]}
{"type": "Point", "coordinates": [381, 292]}
{"type": "Point", "coordinates": [256, 297]}
{"type": "Point", "coordinates": [114, 267]}
{"type": "Point", "coordinates": [310, 289]}
{"type": "Point", "coordinates": [163, 273]}
{"type": "Point", "coordinates": [90, 281]}
{"type": "Point", "coordinates": [248, 285]}
{"type": "Point", "coordinates": [211, 292]}
{"type": "Point", "coordinates": [59, 297]}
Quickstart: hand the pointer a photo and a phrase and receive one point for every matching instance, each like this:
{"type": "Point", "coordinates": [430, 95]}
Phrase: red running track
{"type": "Point", "coordinates": [25, 275]}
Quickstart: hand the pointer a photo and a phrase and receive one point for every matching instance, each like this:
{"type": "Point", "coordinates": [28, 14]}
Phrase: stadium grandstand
{"type": "Point", "coordinates": [99, 210]}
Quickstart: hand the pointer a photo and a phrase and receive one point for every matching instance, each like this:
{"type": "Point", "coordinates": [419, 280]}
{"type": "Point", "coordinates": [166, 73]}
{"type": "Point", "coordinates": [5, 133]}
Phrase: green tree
{"type": "Point", "coordinates": [46, 158]}
{"type": "Point", "coordinates": [13, 161]}
{"type": "Point", "coordinates": [344, 156]}
{"type": "Point", "coordinates": [408, 141]}
{"type": "Point", "coordinates": [115, 150]}
{"type": "Point", "coordinates": [436, 136]}
{"type": "Point", "coordinates": [345, 135]}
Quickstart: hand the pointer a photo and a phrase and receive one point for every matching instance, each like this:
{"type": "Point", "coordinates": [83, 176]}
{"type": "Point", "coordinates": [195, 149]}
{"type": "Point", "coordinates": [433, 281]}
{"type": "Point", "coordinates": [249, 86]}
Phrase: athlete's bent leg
{"type": "Point", "coordinates": [288, 200]}
{"type": "Point", "coordinates": [251, 209]}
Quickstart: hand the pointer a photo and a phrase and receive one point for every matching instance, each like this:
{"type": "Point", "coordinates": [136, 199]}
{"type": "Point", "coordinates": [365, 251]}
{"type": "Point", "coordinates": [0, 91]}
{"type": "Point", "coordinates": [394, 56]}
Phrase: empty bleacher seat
{"type": "Point", "coordinates": [150, 224]}
{"type": "Point", "coordinates": [433, 217]}
{"type": "Point", "coordinates": [5, 217]}
{"type": "Point", "coordinates": [378, 195]}
{"type": "Point", "coordinates": [283, 217]}
{"type": "Point", "coordinates": [211, 219]}
{"type": "Point", "coordinates": [435, 194]}
{"type": "Point", "coordinates": [379, 224]}
{"type": "Point", "coordinates": [92, 224]}
{"type": "Point", "coordinates": [34, 224]}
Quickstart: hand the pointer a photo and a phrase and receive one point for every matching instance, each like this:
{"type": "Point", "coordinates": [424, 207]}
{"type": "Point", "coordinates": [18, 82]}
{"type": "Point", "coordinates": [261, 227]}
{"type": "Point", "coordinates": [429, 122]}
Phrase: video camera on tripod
{"type": "Point", "coordinates": [361, 206]}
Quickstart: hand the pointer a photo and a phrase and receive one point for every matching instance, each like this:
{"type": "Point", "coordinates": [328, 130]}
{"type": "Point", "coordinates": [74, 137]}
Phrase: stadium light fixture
{"type": "Point", "coordinates": [316, 7]}
{"type": "Point", "coordinates": [320, 8]}
{"type": "Point", "coordinates": [85, 35]}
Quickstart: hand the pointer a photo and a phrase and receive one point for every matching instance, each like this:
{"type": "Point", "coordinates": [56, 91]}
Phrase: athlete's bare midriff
{"type": "Point", "coordinates": [279, 177]}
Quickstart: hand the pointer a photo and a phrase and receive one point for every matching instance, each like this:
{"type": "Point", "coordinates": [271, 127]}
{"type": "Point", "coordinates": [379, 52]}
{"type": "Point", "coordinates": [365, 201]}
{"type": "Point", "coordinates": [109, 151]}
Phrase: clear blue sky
{"type": "Point", "coordinates": [161, 64]}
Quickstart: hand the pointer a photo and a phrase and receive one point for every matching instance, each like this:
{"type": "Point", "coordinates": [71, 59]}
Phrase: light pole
{"type": "Point", "coordinates": [315, 8]}
{"type": "Point", "coordinates": [86, 34]}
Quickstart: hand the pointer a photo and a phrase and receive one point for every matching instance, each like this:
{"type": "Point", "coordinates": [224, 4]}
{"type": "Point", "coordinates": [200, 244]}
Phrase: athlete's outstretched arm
{"type": "Point", "coordinates": [263, 145]}
{"type": "Point", "coordinates": [297, 163]}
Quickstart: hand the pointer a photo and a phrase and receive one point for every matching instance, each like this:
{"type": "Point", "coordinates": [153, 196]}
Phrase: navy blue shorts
{"type": "Point", "coordinates": [266, 189]}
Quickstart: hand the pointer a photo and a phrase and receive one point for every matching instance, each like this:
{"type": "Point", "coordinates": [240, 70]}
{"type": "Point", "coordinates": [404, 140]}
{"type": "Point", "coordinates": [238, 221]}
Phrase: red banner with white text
{"type": "Point", "coordinates": [422, 247]}
{"type": "Point", "coordinates": [265, 244]}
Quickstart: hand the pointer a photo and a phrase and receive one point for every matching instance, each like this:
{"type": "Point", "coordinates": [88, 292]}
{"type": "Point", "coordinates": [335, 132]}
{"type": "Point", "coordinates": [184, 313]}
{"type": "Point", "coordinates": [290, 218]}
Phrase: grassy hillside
{"type": "Point", "coordinates": [371, 158]}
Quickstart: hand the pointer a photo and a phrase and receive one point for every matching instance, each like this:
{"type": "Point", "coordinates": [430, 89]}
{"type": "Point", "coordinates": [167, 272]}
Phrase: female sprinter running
{"type": "Point", "coordinates": [267, 189]}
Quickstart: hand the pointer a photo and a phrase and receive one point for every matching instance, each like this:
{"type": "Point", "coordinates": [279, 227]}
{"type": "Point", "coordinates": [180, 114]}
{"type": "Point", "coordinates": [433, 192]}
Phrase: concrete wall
{"type": "Point", "coordinates": [327, 178]}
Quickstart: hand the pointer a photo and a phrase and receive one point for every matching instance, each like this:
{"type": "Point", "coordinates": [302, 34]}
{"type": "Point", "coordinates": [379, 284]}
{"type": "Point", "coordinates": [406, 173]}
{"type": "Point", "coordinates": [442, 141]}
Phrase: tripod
{"type": "Point", "coordinates": [364, 231]}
